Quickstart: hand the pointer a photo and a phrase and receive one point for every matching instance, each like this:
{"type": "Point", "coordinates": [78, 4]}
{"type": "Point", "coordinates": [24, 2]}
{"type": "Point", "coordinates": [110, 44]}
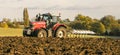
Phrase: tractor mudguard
{"type": "Point", "coordinates": [57, 25]}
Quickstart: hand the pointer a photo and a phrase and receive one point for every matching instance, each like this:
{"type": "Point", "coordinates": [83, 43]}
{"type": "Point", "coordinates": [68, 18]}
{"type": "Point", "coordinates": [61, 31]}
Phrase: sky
{"type": "Point", "coordinates": [68, 8]}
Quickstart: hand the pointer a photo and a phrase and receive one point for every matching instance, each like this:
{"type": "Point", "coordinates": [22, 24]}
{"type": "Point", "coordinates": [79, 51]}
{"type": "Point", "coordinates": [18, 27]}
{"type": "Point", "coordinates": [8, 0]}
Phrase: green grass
{"type": "Point", "coordinates": [18, 32]}
{"type": "Point", "coordinates": [10, 32]}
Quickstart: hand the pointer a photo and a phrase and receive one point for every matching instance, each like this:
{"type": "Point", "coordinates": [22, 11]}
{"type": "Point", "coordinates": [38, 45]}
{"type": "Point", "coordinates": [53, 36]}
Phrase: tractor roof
{"type": "Point", "coordinates": [47, 14]}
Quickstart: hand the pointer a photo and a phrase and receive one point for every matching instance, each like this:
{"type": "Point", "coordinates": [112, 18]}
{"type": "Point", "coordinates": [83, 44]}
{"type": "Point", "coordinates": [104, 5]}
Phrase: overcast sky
{"type": "Point", "coordinates": [67, 8]}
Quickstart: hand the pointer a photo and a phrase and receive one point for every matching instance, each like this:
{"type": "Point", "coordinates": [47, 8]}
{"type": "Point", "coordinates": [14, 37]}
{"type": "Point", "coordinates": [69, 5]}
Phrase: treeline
{"type": "Point", "coordinates": [7, 23]}
{"type": "Point", "coordinates": [107, 25]}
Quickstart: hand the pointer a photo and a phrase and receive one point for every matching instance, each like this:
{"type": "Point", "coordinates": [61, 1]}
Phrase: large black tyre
{"type": "Point", "coordinates": [61, 32]}
{"type": "Point", "coordinates": [42, 33]}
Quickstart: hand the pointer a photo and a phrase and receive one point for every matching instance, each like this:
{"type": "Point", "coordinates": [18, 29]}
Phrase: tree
{"type": "Point", "coordinates": [75, 25]}
{"type": "Point", "coordinates": [59, 20]}
{"type": "Point", "coordinates": [5, 20]}
{"type": "Point", "coordinates": [98, 27]}
{"type": "Point", "coordinates": [119, 21]}
{"type": "Point", "coordinates": [108, 21]}
{"type": "Point", "coordinates": [10, 24]}
{"type": "Point", "coordinates": [66, 20]}
{"type": "Point", "coordinates": [115, 30]}
{"type": "Point", "coordinates": [84, 21]}
{"type": "Point", "coordinates": [26, 17]}
{"type": "Point", "coordinates": [4, 25]}
{"type": "Point", "coordinates": [80, 18]}
{"type": "Point", "coordinates": [16, 24]}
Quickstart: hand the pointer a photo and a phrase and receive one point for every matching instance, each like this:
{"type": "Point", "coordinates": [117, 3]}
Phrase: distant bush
{"type": "Point", "coordinates": [4, 25]}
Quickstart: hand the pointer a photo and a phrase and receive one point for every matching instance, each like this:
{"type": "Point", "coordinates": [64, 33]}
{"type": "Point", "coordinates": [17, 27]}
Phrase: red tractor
{"type": "Point", "coordinates": [45, 25]}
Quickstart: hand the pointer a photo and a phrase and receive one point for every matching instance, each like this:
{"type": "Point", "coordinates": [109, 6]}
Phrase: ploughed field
{"type": "Point", "coordinates": [58, 46]}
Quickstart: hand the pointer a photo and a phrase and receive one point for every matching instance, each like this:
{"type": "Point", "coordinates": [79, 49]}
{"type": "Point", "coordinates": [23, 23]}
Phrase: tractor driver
{"type": "Point", "coordinates": [38, 17]}
{"type": "Point", "coordinates": [48, 18]}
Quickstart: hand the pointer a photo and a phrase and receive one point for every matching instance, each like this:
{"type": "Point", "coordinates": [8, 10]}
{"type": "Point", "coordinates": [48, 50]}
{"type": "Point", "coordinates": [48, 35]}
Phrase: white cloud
{"type": "Point", "coordinates": [94, 8]}
{"type": "Point", "coordinates": [58, 3]}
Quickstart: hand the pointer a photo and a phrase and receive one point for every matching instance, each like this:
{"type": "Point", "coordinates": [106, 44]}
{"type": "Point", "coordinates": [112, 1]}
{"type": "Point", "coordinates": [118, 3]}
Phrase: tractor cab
{"type": "Point", "coordinates": [48, 18]}
{"type": "Point", "coordinates": [45, 17]}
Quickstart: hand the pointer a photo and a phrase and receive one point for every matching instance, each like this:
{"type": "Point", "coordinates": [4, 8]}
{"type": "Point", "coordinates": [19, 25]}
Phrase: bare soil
{"type": "Point", "coordinates": [58, 46]}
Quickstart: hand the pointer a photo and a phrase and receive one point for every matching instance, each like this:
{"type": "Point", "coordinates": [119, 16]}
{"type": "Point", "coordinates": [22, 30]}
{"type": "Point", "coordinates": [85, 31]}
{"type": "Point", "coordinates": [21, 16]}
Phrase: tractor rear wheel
{"type": "Point", "coordinates": [61, 32]}
{"type": "Point", "coordinates": [42, 33]}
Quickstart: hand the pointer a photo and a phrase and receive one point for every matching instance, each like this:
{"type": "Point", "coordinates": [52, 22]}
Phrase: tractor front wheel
{"type": "Point", "coordinates": [42, 33]}
{"type": "Point", "coordinates": [61, 32]}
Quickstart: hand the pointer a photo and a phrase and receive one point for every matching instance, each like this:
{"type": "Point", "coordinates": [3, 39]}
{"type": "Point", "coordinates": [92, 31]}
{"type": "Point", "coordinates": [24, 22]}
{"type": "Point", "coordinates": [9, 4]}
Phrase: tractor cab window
{"type": "Point", "coordinates": [45, 18]}
{"type": "Point", "coordinates": [54, 19]}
